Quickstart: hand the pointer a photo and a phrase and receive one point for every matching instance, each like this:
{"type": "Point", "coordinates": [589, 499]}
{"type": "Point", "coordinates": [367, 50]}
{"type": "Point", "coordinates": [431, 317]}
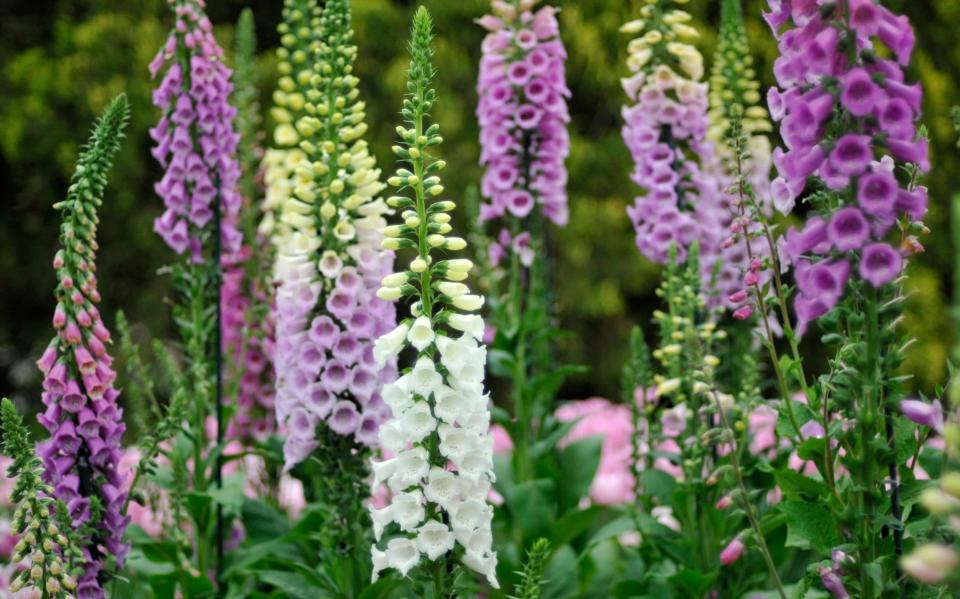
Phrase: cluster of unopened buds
{"type": "Point", "coordinates": [40, 546]}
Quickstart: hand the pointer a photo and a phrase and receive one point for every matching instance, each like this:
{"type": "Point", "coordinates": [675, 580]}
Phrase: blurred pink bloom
{"type": "Point", "coordinates": [613, 483]}
{"type": "Point", "coordinates": [732, 552]}
{"type": "Point", "coordinates": [762, 424]}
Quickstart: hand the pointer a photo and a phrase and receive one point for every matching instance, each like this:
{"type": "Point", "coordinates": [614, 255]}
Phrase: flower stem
{"type": "Point", "coordinates": [744, 498]}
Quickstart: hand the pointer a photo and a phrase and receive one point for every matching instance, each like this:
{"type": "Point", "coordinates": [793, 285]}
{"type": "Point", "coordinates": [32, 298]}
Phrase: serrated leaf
{"type": "Point", "coordinates": [810, 525]}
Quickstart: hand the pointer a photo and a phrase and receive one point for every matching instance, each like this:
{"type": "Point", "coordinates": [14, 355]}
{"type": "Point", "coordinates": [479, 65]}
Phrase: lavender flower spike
{"type": "Point", "coordinates": [849, 122]}
{"type": "Point", "coordinates": [329, 263]}
{"type": "Point", "coordinates": [85, 424]}
{"type": "Point", "coordinates": [665, 128]}
{"type": "Point", "coordinates": [523, 120]}
{"type": "Point", "coordinates": [196, 142]}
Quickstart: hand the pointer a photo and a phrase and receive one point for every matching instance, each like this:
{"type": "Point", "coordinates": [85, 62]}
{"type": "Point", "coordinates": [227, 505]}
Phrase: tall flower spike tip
{"type": "Point", "coordinates": [665, 129]}
{"type": "Point", "coordinates": [196, 142]}
{"type": "Point", "coordinates": [439, 431]}
{"type": "Point", "coordinates": [523, 123]}
{"type": "Point", "coordinates": [40, 538]}
{"type": "Point", "coordinates": [85, 424]}
{"type": "Point", "coordinates": [329, 262]}
{"type": "Point", "coordinates": [849, 120]}
{"type": "Point", "coordinates": [734, 89]}
{"type": "Point", "coordinates": [247, 307]}
{"type": "Point", "coordinates": [299, 42]}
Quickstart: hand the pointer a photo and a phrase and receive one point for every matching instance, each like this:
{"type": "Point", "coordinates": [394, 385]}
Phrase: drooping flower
{"type": "Point", "coordinates": [732, 552]}
{"type": "Point", "coordinates": [328, 262]}
{"type": "Point", "coordinates": [849, 121]}
{"type": "Point", "coordinates": [195, 141]}
{"type": "Point", "coordinates": [85, 423]}
{"type": "Point", "coordinates": [665, 130]}
{"type": "Point", "coordinates": [439, 432]}
{"type": "Point", "coordinates": [923, 413]}
{"type": "Point", "coordinates": [523, 117]}
{"type": "Point", "coordinates": [931, 563]}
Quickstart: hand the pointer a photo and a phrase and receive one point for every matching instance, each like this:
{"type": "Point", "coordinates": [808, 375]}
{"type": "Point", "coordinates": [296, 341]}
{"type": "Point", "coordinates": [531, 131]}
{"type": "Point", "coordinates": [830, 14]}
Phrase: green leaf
{"type": "Point", "coordinates": [801, 412]}
{"type": "Point", "coordinates": [578, 464]}
{"type": "Point", "coordinates": [810, 525]}
{"type": "Point", "coordinates": [614, 528]}
{"type": "Point", "coordinates": [293, 584]}
{"type": "Point", "coordinates": [550, 440]}
{"type": "Point", "coordinates": [572, 524]}
{"type": "Point", "coordinates": [262, 522]}
{"type": "Point", "coordinates": [138, 562]}
{"type": "Point", "coordinates": [198, 505]}
{"type": "Point", "coordinates": [381, 589]}
{"type": "Point", "coordinates": [694, 583]}
{"type": "Point", "coordinates": [658, 484]}
{"type": "Point", "coordinates": [910, 491]}
{"type": "Point", "coordinates": [534, 507]}
{"type": "Point", "coordinates": [501, 363]}
{"type": "Point", "coordinates": [812, 449]}
{"type": "Point", "coordinates": [544, 387]}
{"type": "Point", "coordinates": [792, 482]}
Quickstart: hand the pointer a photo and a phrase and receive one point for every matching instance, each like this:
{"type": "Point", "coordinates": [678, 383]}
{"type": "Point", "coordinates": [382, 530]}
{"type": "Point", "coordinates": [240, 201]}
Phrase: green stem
{"type": "Point", "coordinates": [744, 499]}
{"type": "Point", "coordinates": [867, 421]}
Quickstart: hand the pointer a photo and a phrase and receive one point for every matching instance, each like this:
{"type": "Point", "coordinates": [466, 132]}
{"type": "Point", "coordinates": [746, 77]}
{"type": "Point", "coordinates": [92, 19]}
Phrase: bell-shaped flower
{"type": "Point", "coordinates": [417, 422]}
{"type": "Point", "coordinates": [442, 487]}
{"type": "Point", "coordinates": [390, 344]}
{"type": "Point", "coordinates": [402, 555]}
{"type": "Point", "coordinates": [424, 378]}
{"type": "Point", "coordinates": [421, 334]}
{"type": "Point", "coordinates": [407, 509]}
{"type": "Point", "coordinates": [434, 539]}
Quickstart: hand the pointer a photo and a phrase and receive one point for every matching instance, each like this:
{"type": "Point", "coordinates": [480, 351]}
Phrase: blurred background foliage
{"type": "Point", "coordinates": [61, 60]}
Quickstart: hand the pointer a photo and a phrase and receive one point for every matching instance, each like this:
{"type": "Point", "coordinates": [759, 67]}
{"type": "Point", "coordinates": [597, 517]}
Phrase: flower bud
{"type": "Point", "coordinates": [468, 303]}
{"type": "Point", "coordinates": [389, 294]}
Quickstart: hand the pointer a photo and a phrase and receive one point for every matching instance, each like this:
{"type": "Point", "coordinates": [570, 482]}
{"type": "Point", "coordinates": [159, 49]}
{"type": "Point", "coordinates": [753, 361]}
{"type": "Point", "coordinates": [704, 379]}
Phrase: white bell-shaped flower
{"type": "Point", "coordinates": [424, 378]}
{"type": "Point", "coordinates": [475, 421]}
{"type": "Point", "coordinates": [411, 466]}
{"type": "Point", "coordinates": [383, 471]}
{"type": "Point", "coordinates": [485, 565]}
{"type": "Point", "coordinates": [390, 344]}
{"type": "Point", "coordinates": [397, 396]}
{"type": "Point", "coordinates": [467, 487]}
{"type": "Point", "coordinates": [381, 519]}
{"type": "Point", "coordinates": [407, 509]}
{"type": "Point", "coordinates": [442, 487]}
{"type": "Point", "coordinates": [478, 542]}
{"type": "Point", "coordinates": [475, 464]}
{"type": "Point", "coordinates": [392, 437]}
{"type": "Point", "coordinates": [402, 555]}
{"type": "Point", "coordinates": [417, 422]}
{"type": "Point", "coordinates": [434, 539]}
{"type": "Point", "coordinates": [455, 443]}
{"type": "Point", "coordinates": [471, 514]}
{"type": "Point", "coordinates": [448, 404]}
{"type": "Point", "coordinates": [421, 334]}
{"type": "Point", "coordinates": [471, 324]}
